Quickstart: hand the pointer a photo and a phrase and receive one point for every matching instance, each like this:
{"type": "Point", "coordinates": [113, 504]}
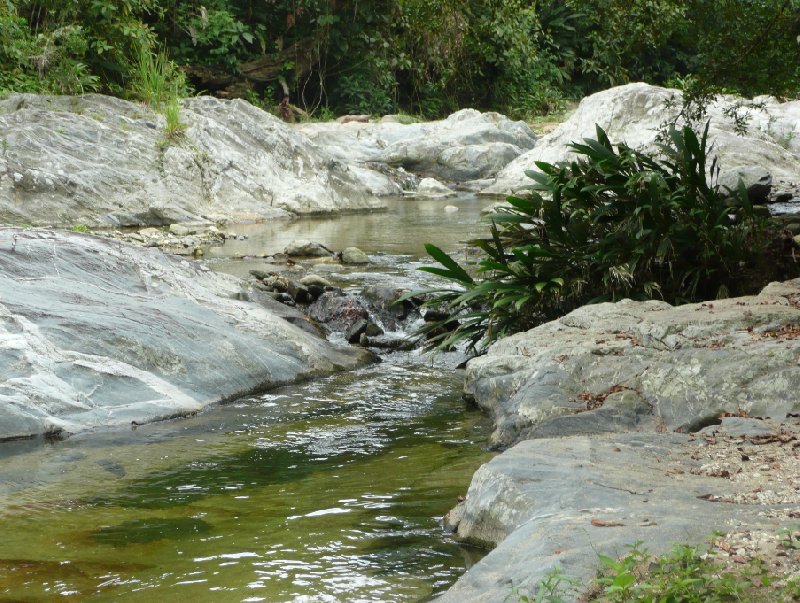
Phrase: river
{"type": "Point", "coordinates": [326, 491]}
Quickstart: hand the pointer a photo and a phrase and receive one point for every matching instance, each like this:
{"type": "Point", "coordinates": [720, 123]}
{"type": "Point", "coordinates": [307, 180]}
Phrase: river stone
{"type": "Point", "coordinates": [100, 333]}
{"type": "Point", "coordinates": [686, 366]}
{"type": "Point", "coordinates": [353, 255]}
{"type": "Point", "coordinates": [337, 311]}
{"type": "Point", "coordinates": [466, 146]}
{"type": "Point", "coordinates": [179, 230]}
{"type": "Point", "coordinates": [304, 248]}
{"type": "Point", "coordinates": [234, 162]}
{"type": "Point", "coordinates": [757, 182]}
{"type": "Point", "coordinates": [314, 280]}
{"type": "Point", "coordinates": [430, 187]}
{"type": "Point", "coordinates": [633, 114]}
{"type": "Point", "coordinates": [537, 501]}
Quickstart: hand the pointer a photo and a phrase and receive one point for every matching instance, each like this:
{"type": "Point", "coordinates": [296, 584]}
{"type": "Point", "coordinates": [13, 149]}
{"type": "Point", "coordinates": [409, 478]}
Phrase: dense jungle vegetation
{"type": "Point", "coordinates": [426, 57]}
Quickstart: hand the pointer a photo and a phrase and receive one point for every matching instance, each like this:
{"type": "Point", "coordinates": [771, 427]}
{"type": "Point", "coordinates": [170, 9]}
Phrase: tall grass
{"type": "Point", "coordinates": [156, 80]}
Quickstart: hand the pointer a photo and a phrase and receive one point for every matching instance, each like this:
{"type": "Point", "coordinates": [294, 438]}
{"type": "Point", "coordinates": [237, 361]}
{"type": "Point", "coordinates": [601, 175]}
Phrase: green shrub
{"type": "Point", "coordinates": [612, 223]}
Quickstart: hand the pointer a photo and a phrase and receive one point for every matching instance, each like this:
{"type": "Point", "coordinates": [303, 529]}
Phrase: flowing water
{"type": "Point", "coordinates": [325, 491]}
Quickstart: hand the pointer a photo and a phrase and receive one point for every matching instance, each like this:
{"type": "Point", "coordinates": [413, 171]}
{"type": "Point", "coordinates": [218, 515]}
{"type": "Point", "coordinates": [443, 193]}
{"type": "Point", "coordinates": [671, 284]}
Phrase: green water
{"type": "Point", "coordinates": [327, 491]}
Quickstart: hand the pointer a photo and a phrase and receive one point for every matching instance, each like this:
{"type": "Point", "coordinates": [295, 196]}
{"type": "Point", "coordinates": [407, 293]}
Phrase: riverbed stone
{"type": "Point", "coordinates": [353, 255]}
{"type": "Point", "coordinates": [100, 333]}
{"type": "Point", "coordinates": [305, 248]}
{"type": "Point", "coordinates": [234, 162]}
{"type": "Point", "coordinates": [633, 114]}
{"type": "Point", "coordinates": [430, 187]}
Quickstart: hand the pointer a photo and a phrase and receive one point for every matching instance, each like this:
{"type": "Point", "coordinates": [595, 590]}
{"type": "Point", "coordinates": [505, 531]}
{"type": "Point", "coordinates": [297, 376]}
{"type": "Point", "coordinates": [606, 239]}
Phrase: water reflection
{"type": "Point", "coordinates": [323, 492]}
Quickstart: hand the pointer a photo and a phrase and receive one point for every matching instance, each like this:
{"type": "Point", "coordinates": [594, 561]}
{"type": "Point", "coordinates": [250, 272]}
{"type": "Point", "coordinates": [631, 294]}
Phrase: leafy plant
{"type": "Point", "coordinates": [174, 128]}
{"type": "Point", "coordinates": [687, 575]}
{"type": "Point", "coordinates": [81, 228]}
{"type": "Point", "coordinates": [615, 222]}
{"type": "Point", "coordinates": [553, 588]}
{"type": "Point", "coordinates": [155, 78]}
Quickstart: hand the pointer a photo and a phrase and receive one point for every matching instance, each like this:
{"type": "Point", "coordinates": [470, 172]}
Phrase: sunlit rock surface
{"type": "Point", "coordinates": [98, 333]}
{"type": "Point", "coordinates": [99, 160]}
{"type": "Point", "coordinates": [633, 114]}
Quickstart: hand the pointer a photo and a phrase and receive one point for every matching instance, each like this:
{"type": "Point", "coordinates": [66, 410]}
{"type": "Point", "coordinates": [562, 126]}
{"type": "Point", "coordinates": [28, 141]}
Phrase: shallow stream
{"type": "Point", "coordinates": [325, 491]}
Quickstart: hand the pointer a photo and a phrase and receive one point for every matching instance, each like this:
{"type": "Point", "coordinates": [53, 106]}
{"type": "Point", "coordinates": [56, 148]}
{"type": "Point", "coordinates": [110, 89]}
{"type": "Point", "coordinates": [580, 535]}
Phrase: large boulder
{"type": "Point", "coordinates": [644, 366]}
{"type": "Point", "coordinates": [633, 114]}
{"type": "Point", "coordinates": [99, 333]}
{"type": "Point", "coordinates": [554, 505]}
{"type": "Point", "coordinates": [466, 146]}
{"type": "Point", "coordinates": [98, 160]}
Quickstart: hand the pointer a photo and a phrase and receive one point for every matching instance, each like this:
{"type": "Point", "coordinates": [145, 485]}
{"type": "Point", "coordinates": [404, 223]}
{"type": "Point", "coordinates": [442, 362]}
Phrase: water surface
{"type": "Point", "coordinates": [326, 491]}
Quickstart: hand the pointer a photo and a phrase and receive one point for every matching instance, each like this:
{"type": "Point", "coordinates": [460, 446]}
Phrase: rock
{"type": "Point", "coordinates": [686, 365]}
{"type": "Point", "coordinates": [179, 230]}
{"type": "Point", "coordinates": [353, 255]}
{"type": "Point", "coordinates": [348, 119]}
{"type": "Point", "coordinates": [337, 311]}
{"type": "Point", "coordinates": [314, 280]}
{"type": "Point", "coordinates": [299, 293]}
{"type": "Point", "coordinates": [556, 504]}
{"type": "Point", "coordinates": [430, 187]}
{"type": "Point", "coordinates": [304, 248]}
{"type": "Point", "coordinates": [450, 209]}
{"type": "Point", "coordinates": [99, 333]}
{"type": "Point", "coordinates": [468, 145]}
{"type": "Point", "coordinates": [235, 163]}
{"type": "Point", "coordinates": [757, 181]}
{"type": "Point", "coordinates": [354, 331]}
{"type": "Point", "coordinates": [633, 114]}
{"type": "Point", "coordinates": [373, 330]}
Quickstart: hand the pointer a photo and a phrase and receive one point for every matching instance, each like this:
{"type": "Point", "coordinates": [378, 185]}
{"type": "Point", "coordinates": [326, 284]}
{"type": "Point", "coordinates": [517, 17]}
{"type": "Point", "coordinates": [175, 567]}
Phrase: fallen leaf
{"type": "Point", "coordinates": [604, 523]}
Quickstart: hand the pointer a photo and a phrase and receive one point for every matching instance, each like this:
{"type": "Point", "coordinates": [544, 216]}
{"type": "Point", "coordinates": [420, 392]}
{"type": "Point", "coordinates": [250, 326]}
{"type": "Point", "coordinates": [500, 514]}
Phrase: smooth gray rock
{"type": "Point", "coordinates": [353, 255]}
{"type": "Point", "coordinates": [633, 114]}
{"type": "Point", "coordinates": [99, 333]}
{"type": "Point", "coordinates": [466, 146]}
{"type": "Point", "coordinates": [304, 248]}
{"type": "Point", "coordinates": [757, 181]}
{"type": "Point", "coordinates": [234, 162]}
{"type": "Point", "coordinates": [430, 187]}
{"type": "Point", "coordinates": [555, 504]}
{"type": "Point", "coordinates": [686, 365]}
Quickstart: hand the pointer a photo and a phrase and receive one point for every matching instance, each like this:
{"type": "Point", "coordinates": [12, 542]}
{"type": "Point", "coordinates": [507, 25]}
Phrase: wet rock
{"type": "Point", "coordinates": [78, 349]}
{"type": "Point", "coordinates": [314, 280]}
{"type": "Point", "coordinates": [337, 311]}
{"type": "Point", "coordinates": [298, 292]}
{"type": "Point", "coordinates": [353, 255]}
{"type": "Point", "coordinates": [354, 332]}
{"type": "Point", "coordinates": [304, 248]}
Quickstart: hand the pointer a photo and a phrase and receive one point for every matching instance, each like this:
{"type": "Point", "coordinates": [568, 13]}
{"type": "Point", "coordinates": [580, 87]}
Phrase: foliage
{"type": "Point", "coordinates": [174, 128]}
{"type": "Point", "coordinates": [428, 57]}
{"type": "Point", "coordinates": [686, 574]}
{"type": "Point", "coordinates": [550, 589]}
{"type": "Point", "coordinates": [155, 80]}
{"type": "Point", "coordinates": [612, 223]}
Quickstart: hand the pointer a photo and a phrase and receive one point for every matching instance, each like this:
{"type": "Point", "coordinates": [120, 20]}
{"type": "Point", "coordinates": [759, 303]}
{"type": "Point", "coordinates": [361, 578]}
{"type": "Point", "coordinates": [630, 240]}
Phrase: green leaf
{"type": "Point", "coordinates": [454, 271]}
